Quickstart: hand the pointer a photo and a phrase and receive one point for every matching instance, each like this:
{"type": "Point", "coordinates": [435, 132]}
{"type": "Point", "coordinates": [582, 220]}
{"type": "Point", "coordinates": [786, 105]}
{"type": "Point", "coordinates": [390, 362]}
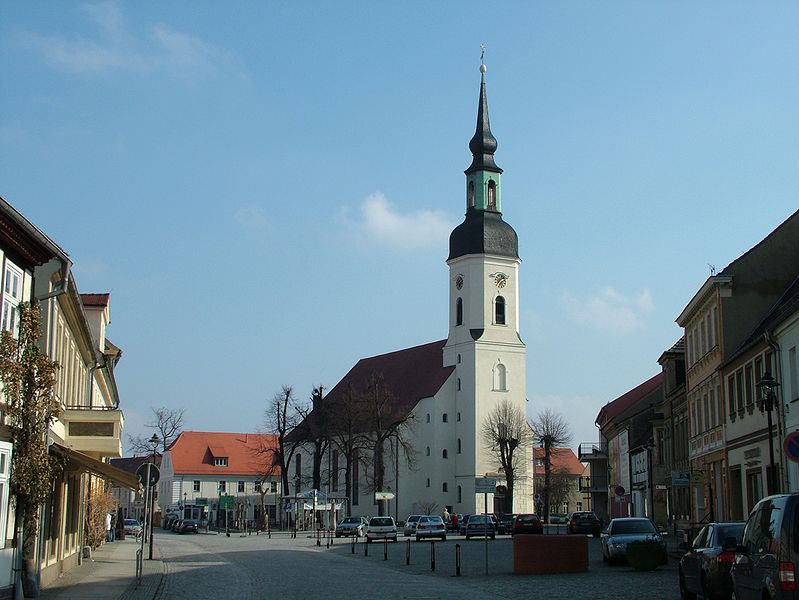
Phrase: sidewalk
{"type": "Point", "coordinates": [110, 575]}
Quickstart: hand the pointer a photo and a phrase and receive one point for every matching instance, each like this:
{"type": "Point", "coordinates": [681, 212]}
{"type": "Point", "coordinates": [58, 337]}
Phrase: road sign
{"type": "Point", "coordinates": [484, 485]}
{"type": "Point", "coordinates": [791, 446]}
{"type": "Point", "coordinates": [142, 471]}
{"type": "Point", "coordinates": [680, 478]}
{"type": "Point", "coordinates": [620, 491]}
{"type": "Point", "coordinates": [384, 495]}
{"type": "Point", "coordinates": [226, 502]}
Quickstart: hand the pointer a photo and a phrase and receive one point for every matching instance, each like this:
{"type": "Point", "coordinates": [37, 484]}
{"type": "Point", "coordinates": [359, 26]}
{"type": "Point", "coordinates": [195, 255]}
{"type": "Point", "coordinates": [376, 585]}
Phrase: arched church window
{"type": "Point", "coordinates": [500, 378]}
{"type": "Point", "coordinates": [492, 194]}
{"type": "Point", "coordinates": [499, 311]}
{"type": "Point", "coordinates": [428, 417]}
{"type": "Point", "coordinates": [459, 359]}
{"type": "Point", "coordinates": [459, 384]}
{"type": "Point", "coordinates": [459, 416]}
{"type": "Point", "coordinates": [459, 445]}
{"type": "Point", "coordinates": [444, 454]}
{"type": "Point", "coordinates": [444, 487]}
{"type": "Point", "coordinates": [444, 418]}
{"type": "Point", "coordinates": [428, 451]}
{"type": "Point", "coordinates": [460, 494]}
{"type": "Point", "coordinates": [428, 482]}
{"type": "Point", "coordinates": [459, 312]}
{"type": "Point", "coordinates": [470, 195]}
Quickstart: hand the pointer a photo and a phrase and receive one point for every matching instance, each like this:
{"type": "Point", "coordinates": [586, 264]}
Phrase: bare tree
{"type": "Point", "coordinates": [344, 427]}
{"type": "Point", "coordinates": [384, 425]}
{"type": "Point", "coordinates": [507, 436]}
{"type": "Point", "coordinates": [560, 485]}
{"type": "Point", "coordinates": [550, 430]}
{"type": "Point", "coordinates": [167, 424]}
{"type": "Point", "coordinates": [314, 429]}
{"type": "Point", "coordinates": [280, 418]}
{"type": "Point", "coordinates": [427, 507]}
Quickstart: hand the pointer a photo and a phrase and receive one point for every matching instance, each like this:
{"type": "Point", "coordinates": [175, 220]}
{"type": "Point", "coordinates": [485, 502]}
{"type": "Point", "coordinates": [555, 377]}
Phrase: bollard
{"type": "Point", "coordinates": [353, 544]}
{"type": "Point", "coordinates": [330, 535]}
{"type": "Point", "coordinates": [318, 538]}
{"type": "Point", "coordinates": [432, 556]}
{"type": "Point", "coordinates": [327, 538]}
{"type": "Point", "coordinates": [366, 548]}
{"type": "Point", "coordinates": [385, 548]}
{"type": "Point", "coordinates": [457, 560]}
{"type": "Point", "coordinates": [408, 551]}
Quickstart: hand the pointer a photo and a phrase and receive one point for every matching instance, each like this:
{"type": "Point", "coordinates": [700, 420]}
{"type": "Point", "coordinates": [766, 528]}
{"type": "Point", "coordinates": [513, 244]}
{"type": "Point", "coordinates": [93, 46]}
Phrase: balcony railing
{"type": "Point", "coordinates": [594, 484]}
{"type": "Point", "coordinates": [592, 450]}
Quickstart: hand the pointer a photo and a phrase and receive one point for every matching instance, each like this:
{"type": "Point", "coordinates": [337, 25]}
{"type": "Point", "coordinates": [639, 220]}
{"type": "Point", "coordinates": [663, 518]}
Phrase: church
{"type": "Point", "coordinates": [405, 427]}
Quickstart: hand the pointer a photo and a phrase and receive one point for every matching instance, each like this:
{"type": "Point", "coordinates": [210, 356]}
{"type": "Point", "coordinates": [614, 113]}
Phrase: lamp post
{"type": "Point", "coordinates": [768, 390]}
{"type": "Point", "coordinates": [154, 441]}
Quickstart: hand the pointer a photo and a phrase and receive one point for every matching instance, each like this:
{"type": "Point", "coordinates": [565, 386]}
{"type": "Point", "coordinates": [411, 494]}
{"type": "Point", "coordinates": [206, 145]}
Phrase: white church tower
{"type": "Point", "coordinates": [484, 344]}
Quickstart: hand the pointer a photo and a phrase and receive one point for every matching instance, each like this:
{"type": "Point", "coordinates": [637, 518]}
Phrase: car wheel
{"type": "Point", "coordinates": [492, 537]}
{"type": "Point", "coordinates": [443, 538]}
{"type": "Point", "coordinates": [684, 593]}
{"type": "Point", "coordinates": [418, 539]}
{"type": "Point", "coordinates": [706, 591]}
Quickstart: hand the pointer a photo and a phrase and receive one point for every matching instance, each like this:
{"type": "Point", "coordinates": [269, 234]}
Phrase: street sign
{"type": "Point", "coordinates": [142, 471]}
{"type": "Point", "coordinates": [680, 478]}
{"type": "Point", "coordinates": [791, 446]}
{"type": "Point", "coordinates": [484, 485]}
{"type": "Point", "coordinates": [661, 487]}
{"type": "Point", "coordinates": [620, 491]}
{"type": "Point", "coordinates": [226, 502]}
{"type": "Point", "coordinates": [384, 495]}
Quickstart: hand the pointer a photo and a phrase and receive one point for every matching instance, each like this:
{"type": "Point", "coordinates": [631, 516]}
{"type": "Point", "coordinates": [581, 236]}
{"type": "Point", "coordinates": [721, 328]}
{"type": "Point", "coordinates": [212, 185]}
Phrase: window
{"type": "Point", "coordinates": [470, 195]}
{"type": "Point", "coordinates": [444, 454]}
{"type": "Point", "coordinates": [12, 296]}
{"type": "Point", "coordinates": [492, 194]}
{"type": "Point", "coordinates": [222, 486]}
{"type": "Point", "coordinates": [240, 487]}
{"type": "Point", "coordinates": [220, 461]}
{"type": "Point", "coordinates": [459, 416]}
{"type": "Point", "coordinates": [459, 312]}
{"type": "Point", "coordinates": [5, 467]}
{"type": "Point", "coordinates": [428, 482]}
{"type": "Point", "coordinates": [444, 487]}
{"type": "Point", "coordinates": [460, 494]}
{"type": "Point", "coordinates": [499, 311]}
{"type": "Point", "coordinates": [731, 392]}
{"type": "Point", "coordinates": [459, 445]}
{"type": "Point", "coordinates": [273, 487]}
{"type": "Point", "coordinates": [428, 451]}
{"type": "Point", "coordinates": [459, 359]}
{"type": "Point", "coordinates": [500, 378]}
{"type": "Point", "coordinates": [444, 418]}
{"type": "Point", "coordinates": [793, 377]}
{"type": "Point", "coordinates": [739, 389]}
{"type": "Point", "coordinates": [459, 384]}
{"type": "Point", "coordinates": [428, 417]}
{"type": "Point", "coordinates": [196, 486]}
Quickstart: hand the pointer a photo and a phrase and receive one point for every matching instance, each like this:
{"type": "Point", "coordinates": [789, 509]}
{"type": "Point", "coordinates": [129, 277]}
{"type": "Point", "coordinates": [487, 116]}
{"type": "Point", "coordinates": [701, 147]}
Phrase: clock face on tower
{"type": "Point", "coordinates": [500, 279]}
{"type": "Point", "coordinates": [459, 282]}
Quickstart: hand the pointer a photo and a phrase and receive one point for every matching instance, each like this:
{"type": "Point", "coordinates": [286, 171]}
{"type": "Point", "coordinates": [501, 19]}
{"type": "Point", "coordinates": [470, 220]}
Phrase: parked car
{"type": "Point", "coordinates": [505, 524]}
{"type": "Point", "coordinates": [176, 525]}
{"type": "Point", "coordinates": [705, 567]}
{"type": "Point", "coordinates": [166, 522]}
{"type": "Point", "coordinates": [480, 526]}
{"type": "Point", "coordinates": [380, 528]}
{"type": "Point", "coordinates": [410, 524]}
{"type": "Point", "coordinates": [430, 527]}
{"type": "Point", "coordinates": [352, 526]}
{"type": "Point", "coordinates": [585, 522]}
{"type": "Point", "coordinates": [132, 527]}
{"type": "Point", "coordinates": [558, 519]}
{"type": "Point", "coordinates": [527, 523]}
{"type": "Point", "coordinates": [625, 530]}
{"type": "Point", "coordinates": [462, 524]}
{"type": "Point", "coordinates": [188, 526]}
{"type": "Point", "coordinates": [765, 562]}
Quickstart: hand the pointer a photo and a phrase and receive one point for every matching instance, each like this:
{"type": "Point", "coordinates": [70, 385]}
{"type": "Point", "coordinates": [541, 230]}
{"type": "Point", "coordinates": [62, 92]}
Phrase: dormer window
{"type": "Point", "coordinates": [220, 461]}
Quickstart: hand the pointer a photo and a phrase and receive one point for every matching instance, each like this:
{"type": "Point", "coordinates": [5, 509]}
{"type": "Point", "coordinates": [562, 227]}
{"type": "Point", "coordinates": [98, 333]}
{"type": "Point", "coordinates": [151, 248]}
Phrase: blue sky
{"type": "Point", "coordinates": [267, 188]}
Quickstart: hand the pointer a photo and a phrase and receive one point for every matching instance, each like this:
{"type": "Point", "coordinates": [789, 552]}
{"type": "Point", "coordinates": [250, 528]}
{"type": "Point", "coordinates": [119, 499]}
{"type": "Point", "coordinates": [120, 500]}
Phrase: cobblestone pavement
{"type": "Point", "coordinates": [239, 568]}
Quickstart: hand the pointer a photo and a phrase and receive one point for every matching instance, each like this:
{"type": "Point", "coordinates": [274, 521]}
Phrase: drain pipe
{"type": "Point", "coordinates": [781, 412]}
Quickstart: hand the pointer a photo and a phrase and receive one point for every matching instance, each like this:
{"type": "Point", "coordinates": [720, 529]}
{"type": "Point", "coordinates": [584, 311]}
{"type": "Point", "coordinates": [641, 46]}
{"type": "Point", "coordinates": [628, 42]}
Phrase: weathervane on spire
{"type": "Point", "coordinates": [482, 54]}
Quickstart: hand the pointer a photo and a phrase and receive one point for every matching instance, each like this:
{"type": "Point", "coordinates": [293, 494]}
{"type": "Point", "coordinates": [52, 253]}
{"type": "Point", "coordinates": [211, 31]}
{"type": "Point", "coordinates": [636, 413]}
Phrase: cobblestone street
{"type": "Point", "coordinates": [238, 568]}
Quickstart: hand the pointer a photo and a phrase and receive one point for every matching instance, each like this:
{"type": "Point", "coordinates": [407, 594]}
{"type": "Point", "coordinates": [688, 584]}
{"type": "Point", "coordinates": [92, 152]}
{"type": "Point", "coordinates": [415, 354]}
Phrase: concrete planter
{"type": "Point", "coordinates": [534, 554]}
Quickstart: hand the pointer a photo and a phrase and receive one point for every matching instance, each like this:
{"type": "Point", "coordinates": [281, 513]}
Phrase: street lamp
{"type": "Point", "coordinates": [768, 391]}
{"type": "Point", "coordinates": [154, 441]}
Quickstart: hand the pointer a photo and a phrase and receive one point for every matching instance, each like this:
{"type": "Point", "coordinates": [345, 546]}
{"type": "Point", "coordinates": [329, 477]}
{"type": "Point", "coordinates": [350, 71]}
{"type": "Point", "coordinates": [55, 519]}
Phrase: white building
{"type": "Point", "coordinates": [443, 390]}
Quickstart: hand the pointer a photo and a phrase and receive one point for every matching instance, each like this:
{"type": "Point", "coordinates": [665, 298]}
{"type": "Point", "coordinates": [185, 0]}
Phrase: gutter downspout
{"type": "Point", "coordinates": [781, 412]}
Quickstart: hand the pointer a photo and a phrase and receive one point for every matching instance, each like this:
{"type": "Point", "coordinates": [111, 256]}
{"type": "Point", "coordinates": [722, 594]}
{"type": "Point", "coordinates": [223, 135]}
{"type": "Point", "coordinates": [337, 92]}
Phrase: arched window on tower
{"type": "Point", "coordinates": [444, 487]}
{"type": "Point", "coordinates": [470, 195]}
{"type": "Point", "coordinates": [492, 194]}
{"type": "Point", "coordinates": [459, 446]}
{"type": "Point", "coordinates": [499, 311]}
{"type": "Point", "coordinates": [444, 454]}
{"type": "Point", "coordinates": [460, 495]}
{"type": "Point", "coordinates": [500, 378]}
{"type": "Point", "coordinates": [459, 312]}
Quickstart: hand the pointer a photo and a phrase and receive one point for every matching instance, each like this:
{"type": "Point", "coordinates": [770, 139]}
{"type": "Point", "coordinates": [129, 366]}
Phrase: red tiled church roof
{"type": "Point", "coordinates": [194, 452]}
{"type": "Point", "coordinates": [562, 459]}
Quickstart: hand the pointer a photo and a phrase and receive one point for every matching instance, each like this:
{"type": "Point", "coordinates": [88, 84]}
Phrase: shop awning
{"type": "Point", "coordinates": [79, 461]}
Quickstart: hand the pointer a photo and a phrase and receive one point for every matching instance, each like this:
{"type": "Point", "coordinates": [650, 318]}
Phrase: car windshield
{"type": "Point", "coordinates": [584, 515]}
{"type": "Point", "coordinates": [633, 526]}
{"type": "Point", "coordinates": [131, 522]}
{"type": "Point", "coordinates": [477, 519]}
{"type": "Point", "coordinates": [527, 518]}
{"type": "Point", "coordinates": [381, 522]}
{"type": "Point", "coordinates": [350, 520]}
{"type": "Point", "coordinates": [413, 518]}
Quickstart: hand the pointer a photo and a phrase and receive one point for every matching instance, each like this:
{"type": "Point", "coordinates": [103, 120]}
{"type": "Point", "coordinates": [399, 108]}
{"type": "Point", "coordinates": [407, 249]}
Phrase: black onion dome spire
{"type": "Point", "coordinates": [483, 143]}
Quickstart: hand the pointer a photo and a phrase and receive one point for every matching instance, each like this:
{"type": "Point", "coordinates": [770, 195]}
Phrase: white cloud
{"type": "Point", "coordinates": [610, 311]}
{"type": "Point", "coordinates": [251, 217]}
{"type": "Point", "coordinates": [113, 47]}
{"type": "Point", "coordinates": [381, 222]}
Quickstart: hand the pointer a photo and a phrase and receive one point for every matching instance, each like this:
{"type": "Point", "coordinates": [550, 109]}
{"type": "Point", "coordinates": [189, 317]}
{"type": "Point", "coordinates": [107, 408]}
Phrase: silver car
{"type": "Point", "coordinates": [410, 524]}
{"type": "Point", "coordinates": [351, 526]}
{"type": "Point", "coordinates": [625, 530]}
{"type": "Point", "coordinates": [381, 528]}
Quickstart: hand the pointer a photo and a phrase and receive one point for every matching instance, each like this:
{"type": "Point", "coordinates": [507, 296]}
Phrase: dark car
{"type": "Point", "coordinates": [505, 524]}
{"type": "Point", "coordinates": [176, 525]}
{"type": "Point", "coordinates": [765, 562]}
{"type": "Point", "coordinates": [585, 522]}
{"type": "Point", "coordinates": [623, 531]}
{"type": "Point", "coordinates": [481, 526]}
{"type": "Point", "coordinates": [188, 526]}
{"type": "Point", "coordinates": [463, 522]}
{"type": "Point", "coordinates": [527, 523]}
{"type": "Point", "coordinates": [705, 567]}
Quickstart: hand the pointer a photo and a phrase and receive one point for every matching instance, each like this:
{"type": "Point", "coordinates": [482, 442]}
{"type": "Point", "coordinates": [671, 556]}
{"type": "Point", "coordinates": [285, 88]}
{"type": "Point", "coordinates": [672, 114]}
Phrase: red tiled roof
{"type": "Point", "coordinates": [612, 409]}
{"type": "Point", "coordinates": [409, 375]}
{"type": "Point", "coordinates": [563, 460]}
{"type": "Point", "coordinates": [192, 452]}
{"type": "Point", "coordinates": [94, 299]}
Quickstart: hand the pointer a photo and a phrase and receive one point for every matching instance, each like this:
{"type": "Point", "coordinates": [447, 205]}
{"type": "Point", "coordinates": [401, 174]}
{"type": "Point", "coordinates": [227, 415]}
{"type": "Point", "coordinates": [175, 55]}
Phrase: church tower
{"type": "Point", "coordinates": [484, 344]}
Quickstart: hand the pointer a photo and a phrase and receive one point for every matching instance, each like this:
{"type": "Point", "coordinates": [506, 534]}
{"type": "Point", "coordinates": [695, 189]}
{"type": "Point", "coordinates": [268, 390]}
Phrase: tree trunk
{"type": "Point", "coordinates": [30, 574]}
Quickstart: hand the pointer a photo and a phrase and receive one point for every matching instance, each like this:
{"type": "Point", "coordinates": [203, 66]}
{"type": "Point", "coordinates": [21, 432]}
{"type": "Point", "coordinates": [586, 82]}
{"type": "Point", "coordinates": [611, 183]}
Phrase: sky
{"type": "Point", "coordinates": [267, 188]}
